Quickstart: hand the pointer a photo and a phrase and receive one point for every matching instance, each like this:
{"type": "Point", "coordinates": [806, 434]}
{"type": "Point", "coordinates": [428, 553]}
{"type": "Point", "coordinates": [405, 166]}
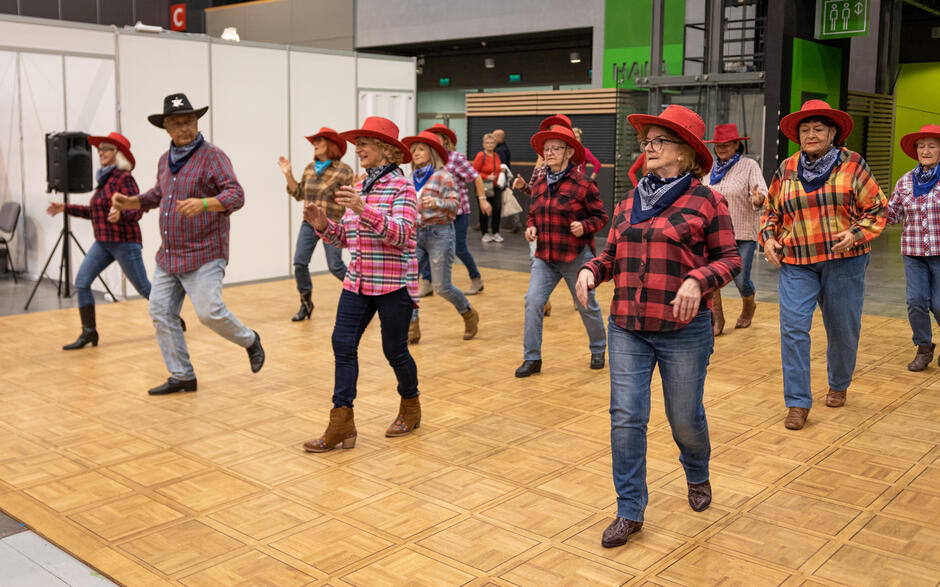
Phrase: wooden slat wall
{"type": "Point", "coordinates": [603, 101]}
{"type": "Point", "coordinates": [878, 109]}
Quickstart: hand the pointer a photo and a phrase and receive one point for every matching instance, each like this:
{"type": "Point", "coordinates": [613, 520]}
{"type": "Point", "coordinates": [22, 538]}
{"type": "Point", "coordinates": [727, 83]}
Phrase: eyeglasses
{"type": "Point", "coordinates": [554, 149]}
{"type": "Point", "coordinates": [656, 143]}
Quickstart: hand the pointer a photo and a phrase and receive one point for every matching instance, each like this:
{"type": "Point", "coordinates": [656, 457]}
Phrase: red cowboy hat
{"type": "Point", "coordinates": [909, 141]}
{"type": "Point", "coordinates": [725, 133]}
{"type": "Point", "coordinates": [555, 120]}
{"type": "Point", "coordinates": [119, 141]}
{"type": "Point", "coordinates": [430, 139]}
{"type": "Point", "coordinates": [379, 128]}
{"type": "Point", "coordinates": [562, 134]}
{"type": "Point", "coordinates": [790, 124]}
{"type": "Point", "coordinates": [330, 135]}
{"type": "Point", "coordinates": [687, 124]}
{"type": "Point", "coordinates": [440, 129]}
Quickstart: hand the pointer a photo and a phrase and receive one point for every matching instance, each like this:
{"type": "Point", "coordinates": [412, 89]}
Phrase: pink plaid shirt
{"type": "Point", "coordinates": [463, 173]}
{"type": "Point", "coordinates": [381, 240]}
{"type": "Point", "coordinates": [921, 216]}
{"type": "Point", "coordinates": [442, 188]}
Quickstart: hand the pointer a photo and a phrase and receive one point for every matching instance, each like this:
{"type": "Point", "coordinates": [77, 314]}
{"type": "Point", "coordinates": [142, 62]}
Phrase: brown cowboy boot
{"type": "Point", "coordinates": [747, 312]}
{"type": "Point", "coordinates": [341, 431]}
{"type": "Point", "coordinates": [471, 323]}
{"type": "Point", "coordinates": [922, 358]}
{"type": "Point", "coordinates": [409, 418]}
{"type": "Point", "coordinates": [835, 399]}
{"type": "Point", "coordinates": [414, 332]}
{"type": "Point", "coordinates": [796, 418]}
{"type": "Point", "coordinates": [718, 317]}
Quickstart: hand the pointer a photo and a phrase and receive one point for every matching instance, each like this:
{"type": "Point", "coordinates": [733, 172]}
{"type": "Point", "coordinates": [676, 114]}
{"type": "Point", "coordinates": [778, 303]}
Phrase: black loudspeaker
{"type": "Point", "coordinates": [68, 162]}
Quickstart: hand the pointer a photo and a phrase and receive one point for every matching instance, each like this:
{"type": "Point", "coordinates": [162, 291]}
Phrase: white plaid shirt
{"type": "Point", "coordinates": [921, 217]}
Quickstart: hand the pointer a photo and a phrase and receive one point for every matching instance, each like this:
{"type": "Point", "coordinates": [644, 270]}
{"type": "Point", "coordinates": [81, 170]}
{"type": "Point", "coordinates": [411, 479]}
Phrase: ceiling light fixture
{"type": "Point", "coordinates": [574, 57]}
{"type": "Point", "coordinates": [489, 63]}
{"type": "Point", "coordinates": [230, 34]}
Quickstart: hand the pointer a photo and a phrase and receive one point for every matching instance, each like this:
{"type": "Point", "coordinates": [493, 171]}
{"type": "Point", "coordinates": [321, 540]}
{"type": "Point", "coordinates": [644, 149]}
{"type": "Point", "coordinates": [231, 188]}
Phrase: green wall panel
{"type": "Point", "coordinates": [816, 74]}
{"type": "Point", "coordinates": [916, 104]}
{"type": "Point", "coordinates": [627, 26]}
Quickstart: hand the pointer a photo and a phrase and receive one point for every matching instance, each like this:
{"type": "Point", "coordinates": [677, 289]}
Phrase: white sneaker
{"type": "Point", "coordinates": [487, 238]}
{"type": "Point", "coordinates": [497, 238]}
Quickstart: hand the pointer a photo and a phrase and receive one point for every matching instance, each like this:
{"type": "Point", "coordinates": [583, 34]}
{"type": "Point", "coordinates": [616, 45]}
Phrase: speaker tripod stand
{"type": "Point", "coordinates": [63, 284]}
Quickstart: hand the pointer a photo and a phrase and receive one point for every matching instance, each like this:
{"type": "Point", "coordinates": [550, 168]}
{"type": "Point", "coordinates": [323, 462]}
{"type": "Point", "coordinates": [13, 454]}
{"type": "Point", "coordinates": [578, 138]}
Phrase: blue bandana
{"type": "Point", "coordinates": [720, 168]}
{"type": "Point", "coordinates": [813, 174]}
{"type": "Point", "coordinates": [104, 173]}
{"type": "Point", "coordinates": [654, 194]}
{"type": "Point", "coordinates": [179, 156]}
{"type": "Point", "coordinates": [421, 176]}
{"type": "Point", "coordinates": [924, 181]}
{"type": "Point", "coordinates": [373, 174]}
{"type": "Point", "coordinates": [321, 165]}
{"type": "Point", "coordinates": [553, 177]}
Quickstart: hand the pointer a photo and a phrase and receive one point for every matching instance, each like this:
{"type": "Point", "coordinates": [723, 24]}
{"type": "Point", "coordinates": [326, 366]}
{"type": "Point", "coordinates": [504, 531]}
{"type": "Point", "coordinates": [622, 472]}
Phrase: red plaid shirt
{"type": "Point", "coordinates": [575, 199]}
{"type": "Point", "coordinates": [125, 230]}
{"type": "Point", "coordinates": [648, 261]}
{"type": "Point", "coordinates": [921, 217]}
{"type": "Point", "coordinates": [190, 243]}
{"type": "Point", "coordinates": [463, 173]}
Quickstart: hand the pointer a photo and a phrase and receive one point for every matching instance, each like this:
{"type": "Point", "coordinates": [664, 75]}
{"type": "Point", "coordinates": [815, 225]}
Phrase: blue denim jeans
{"type": "Point", "coordinates": [922, 275]}
{"type": "Point", "coordinates": [743, 279]}
{"type": "Point", "coordinates": [838, 286]}
{"type": "Point", "coordinates": [542, 281]}
{"type": "Point", "coordinates": [461, 224]}
{"type": "Point", "coordinates": [435, 246]}
{"type": "Point", "coordinates": [682, 356]}
{"type": "Point", "coordinates": [97, 259]}
{"type": "Point", "coordinates": [204, 287]}
{"type": "Point", "coordinates": [353, 314]}
{"type": "Point", "coordinates": [307, 240]}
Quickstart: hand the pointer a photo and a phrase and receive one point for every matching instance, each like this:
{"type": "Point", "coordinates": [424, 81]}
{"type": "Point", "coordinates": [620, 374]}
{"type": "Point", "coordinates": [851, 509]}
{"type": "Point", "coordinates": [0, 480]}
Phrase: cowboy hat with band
{"type": "Point", "coordinates": [562, 134]}
{"type": "Point", "coordinates": [330, 135]}
{"type": "Point", "coordinates": [726, 133]}
{"type": "Point", "coordinates": [430, 139]}
{"type": "Point", "coordinates": [555, 120]}
{"type": "Point", "coordinates": [909, 141]}
{"type": "Point", "coordinates": [175, 104]}
{"type": "Point", "coordinates": [119, 142]}
{"type": "Point", "coordinates": [790, 124]}
{"type": "Point", "coordinates": [383, 129]}
{"type": "Point", "coordinates": [686, 124]}
{"type": "Point", "coordinates": [440, 129]}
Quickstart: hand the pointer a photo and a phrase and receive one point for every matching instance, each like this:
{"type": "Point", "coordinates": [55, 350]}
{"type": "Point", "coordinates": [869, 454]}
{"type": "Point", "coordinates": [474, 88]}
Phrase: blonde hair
{"type": "Point", "coordinates": [489, 135]}
{"type": "Point", "coordinates": [436, 160]}
{"type": "Point", "coordinates": [688, 157]}
{"type": "Point", "coordinates": [448, 144]}
{"type": "Point", "coordinates": [392, 153]}
{"type": "Point", "coordinates": [120, 161]}
{"type": "Point", "coordinates": [577, 133]}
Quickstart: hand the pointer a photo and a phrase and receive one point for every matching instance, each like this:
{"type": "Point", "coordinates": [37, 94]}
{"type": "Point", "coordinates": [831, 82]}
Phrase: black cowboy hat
{"type": "Point", "coordinates": [175, 104]}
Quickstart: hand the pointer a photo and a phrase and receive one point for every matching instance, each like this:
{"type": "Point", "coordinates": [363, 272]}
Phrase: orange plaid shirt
{"type": "Point", "coordinates": [806, 224]}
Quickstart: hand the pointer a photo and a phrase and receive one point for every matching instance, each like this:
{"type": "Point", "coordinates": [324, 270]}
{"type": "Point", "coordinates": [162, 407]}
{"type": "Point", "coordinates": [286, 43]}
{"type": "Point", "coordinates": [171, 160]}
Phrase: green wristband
{"type": "Point", "coordinates": [205, 204]}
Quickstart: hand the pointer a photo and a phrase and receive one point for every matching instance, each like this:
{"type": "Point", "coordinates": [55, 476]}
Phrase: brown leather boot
{"type": "Point", "coordinates": [796, 418]}
{"type": "Point", "coordinates": [718, 317]}
{"type": "Point", "coordinates": [700, 496]}
{"type": "Point", "coordinates": [341, 431]}
{"type": "Point", "coordinates": [922, 358]}
{"type": "Point", "coordinates": [414, 332]}
{"type": "Point", "coordinates": [471, 323]}
{"type": "Point", "coordinates": [835, 399]}
{"type": "Point", "coordinates": [747, 312]}
{"type": "Point", "coordinates": [619, 531]}
{"type": "Point", "coordinates": [409, 418]}
{"type": "Point", "coordinates": [547, 310]}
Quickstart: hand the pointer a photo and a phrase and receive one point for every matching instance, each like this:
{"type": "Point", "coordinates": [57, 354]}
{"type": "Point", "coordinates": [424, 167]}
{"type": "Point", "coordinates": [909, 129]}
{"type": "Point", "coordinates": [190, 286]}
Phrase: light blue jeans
{"type": "Point", "coordinates": [97, 259]}
{"type": "Point", "coordinates": [542, 282]}
{"type": "Point", "coordinates": [922, 275]}
{"type": "Point", "coordinates": [204, 287]}
{"type": "Point", "coordinates": [682, 356]}
{"type": "Point", "coordinates": [436, 247]}
{"type": "Point", "coordinates": [838, 286]}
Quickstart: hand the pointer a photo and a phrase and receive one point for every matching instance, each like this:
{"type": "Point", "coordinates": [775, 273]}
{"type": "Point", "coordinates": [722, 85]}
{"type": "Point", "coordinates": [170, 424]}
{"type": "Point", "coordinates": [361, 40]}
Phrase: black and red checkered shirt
{"type": "Point", "coordinates": [125, 230]}
{"type": "Point", "coordinates": [648, 261]}
{"type": "Point", "coordinates": [552, 211]}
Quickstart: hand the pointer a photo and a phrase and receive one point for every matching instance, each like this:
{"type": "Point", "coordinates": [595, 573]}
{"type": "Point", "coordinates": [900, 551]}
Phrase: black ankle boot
{"type": "Point", "coordinates": [306, 308]}
{"type": "Point", "coordinates": [89, 334]}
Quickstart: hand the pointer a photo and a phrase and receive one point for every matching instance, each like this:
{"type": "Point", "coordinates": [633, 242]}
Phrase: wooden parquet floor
{"type": "Point", "coordinates": [507, 482]}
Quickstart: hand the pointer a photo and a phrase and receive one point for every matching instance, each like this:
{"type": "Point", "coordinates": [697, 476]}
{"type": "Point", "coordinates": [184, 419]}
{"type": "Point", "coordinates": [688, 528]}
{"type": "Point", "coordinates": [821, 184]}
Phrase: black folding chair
{"type": "Point", "coordinates": [9, 216]}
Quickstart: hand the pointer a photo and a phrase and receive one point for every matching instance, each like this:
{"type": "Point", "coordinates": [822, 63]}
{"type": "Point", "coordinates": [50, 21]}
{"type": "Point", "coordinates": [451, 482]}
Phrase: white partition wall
{"type": "Point", "coordinates": [263, 100]}
{"type": "Point", "coordinates": [250, 122]}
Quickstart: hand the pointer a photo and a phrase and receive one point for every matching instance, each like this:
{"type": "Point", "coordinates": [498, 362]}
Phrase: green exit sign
{"type": "Point", "coordinates": [515, 78]}
{"type": "Point", "coordinates": [836, 19]}
{"type": "Point", "coordinates": [444, 81]}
